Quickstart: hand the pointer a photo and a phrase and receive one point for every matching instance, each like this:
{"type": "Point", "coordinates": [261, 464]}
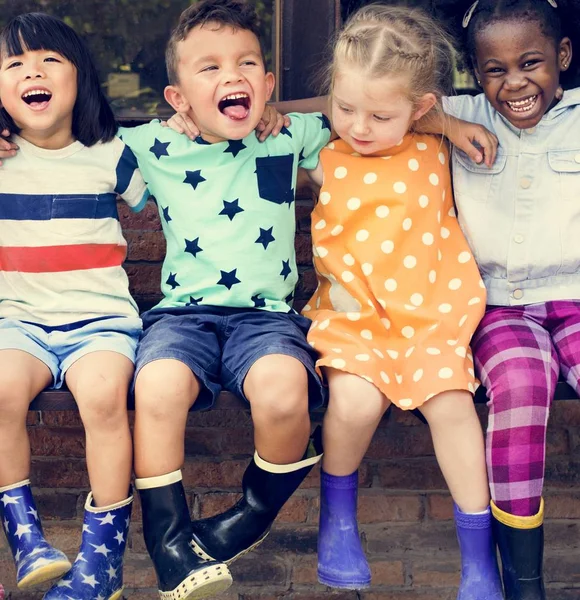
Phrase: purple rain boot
{"type": "Point", "coordinates": [341, 560]}
{"type": "Point", "coordinates": [479, 571]}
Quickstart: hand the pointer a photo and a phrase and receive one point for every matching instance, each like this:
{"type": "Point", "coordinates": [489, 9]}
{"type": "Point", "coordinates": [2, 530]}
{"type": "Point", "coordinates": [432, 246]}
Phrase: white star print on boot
{"type": "Point", "coordinates": [97, 573]}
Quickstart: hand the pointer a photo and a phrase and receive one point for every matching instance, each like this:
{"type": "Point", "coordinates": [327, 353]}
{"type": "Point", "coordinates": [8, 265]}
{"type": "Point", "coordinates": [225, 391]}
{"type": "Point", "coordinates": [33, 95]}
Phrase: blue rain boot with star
{"type": "Point", "coordinates": [97, 573]}
{"type": "Point", "coordinates": [35, 559]}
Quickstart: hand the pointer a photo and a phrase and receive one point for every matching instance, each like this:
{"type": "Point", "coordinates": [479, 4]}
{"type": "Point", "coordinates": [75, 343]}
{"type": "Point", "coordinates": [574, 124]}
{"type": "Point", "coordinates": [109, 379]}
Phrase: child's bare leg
{"type": "Point", "coordinates": [277, 388]}
{"type": "Point", "coordinates": [459, 447]}
{"type": "Point", "coordinates": [22, 377]}
{"type": "Point", "coordinates": [99, 382]}
{"type": "Point", "coordinates": [165, 390]}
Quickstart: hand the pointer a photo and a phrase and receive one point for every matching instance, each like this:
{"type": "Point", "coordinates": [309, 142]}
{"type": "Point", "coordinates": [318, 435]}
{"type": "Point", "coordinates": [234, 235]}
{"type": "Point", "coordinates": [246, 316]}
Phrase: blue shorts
{"type": "Point", "coordinates": [59, 347]}
{"type": "Point", "coordinates": [220, 345]}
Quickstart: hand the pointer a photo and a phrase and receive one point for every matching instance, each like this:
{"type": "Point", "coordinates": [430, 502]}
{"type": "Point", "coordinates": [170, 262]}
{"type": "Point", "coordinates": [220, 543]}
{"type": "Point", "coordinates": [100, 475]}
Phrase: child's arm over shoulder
{"type": "Point", "coordinates": [141, 137]}
{"type": "Point", "coordinates": [130, 184]}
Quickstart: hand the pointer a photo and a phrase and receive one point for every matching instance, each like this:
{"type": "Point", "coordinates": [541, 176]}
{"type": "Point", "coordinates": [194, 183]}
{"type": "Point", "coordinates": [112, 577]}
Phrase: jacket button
{"type": "Point", "coordinates": [518, 294]}
{"type": "Point", "coordinates": [525, 182]}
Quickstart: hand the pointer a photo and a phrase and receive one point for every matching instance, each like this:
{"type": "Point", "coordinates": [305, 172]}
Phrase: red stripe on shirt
{"type": "Point", "coordinates": [57, 259]}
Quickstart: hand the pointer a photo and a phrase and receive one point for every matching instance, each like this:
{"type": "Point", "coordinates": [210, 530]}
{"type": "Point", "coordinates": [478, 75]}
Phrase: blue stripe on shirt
{"type": "Point", "coordinates": [43, 207]}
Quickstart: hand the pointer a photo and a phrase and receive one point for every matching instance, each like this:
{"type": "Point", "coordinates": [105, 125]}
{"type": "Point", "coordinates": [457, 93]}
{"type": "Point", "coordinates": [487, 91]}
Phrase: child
{"type": "Point", "coordinates": [66, 314]}
{"type": "Point", "coordinates": [522, 222]}
{"type": "Point", "coordinates": [399, 293]}
{"type": "Point", "coordinates": [226, 206]}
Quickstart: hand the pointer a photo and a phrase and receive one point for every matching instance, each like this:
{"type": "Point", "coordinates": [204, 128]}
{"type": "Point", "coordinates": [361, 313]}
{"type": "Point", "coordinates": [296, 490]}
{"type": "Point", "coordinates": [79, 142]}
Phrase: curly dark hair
{"type": "Point", "coordinates": [555, 23]}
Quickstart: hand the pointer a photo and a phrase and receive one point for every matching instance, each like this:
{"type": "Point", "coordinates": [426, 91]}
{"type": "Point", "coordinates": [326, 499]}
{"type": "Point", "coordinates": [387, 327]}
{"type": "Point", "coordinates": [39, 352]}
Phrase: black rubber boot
{"type": "Point", "coordinates": [521, 547]}
{"type": "Point", "coordinates": [244, 526]}
{"type": "Point", "coordinates": [181, 574]}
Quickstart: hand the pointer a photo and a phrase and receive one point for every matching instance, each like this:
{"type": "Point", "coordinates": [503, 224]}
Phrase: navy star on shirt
{"type": "Point", "coordinates": [159, 149]}
{"type": "Point", "coordinates": [193, 178]}
{"type": "Point", "coordinates": [192, 246]}
{"type": "Point", "coordinates": [258, 302]}
{"type": "Point", "coordinates": [231, 209]}
{"type": "Point", "coordinates": [172, 281]}
{"type": "Point", "coordinates": [266, 237]}
{"type": "Point", "coordinates": [286, 131]}
{"type": "Point", "coordinates": [235, 147]}
{"type": "Point", "coordinates": [228, 279]}
{"type": "Point", "coordinates": [325, 122]}
{"type": "Point", "coordinates": [286, 270]}
{"type": "Point", "coordinates": [194, 301]}
{"type": "Point", "coordinates": [199, 140]}
{"type": "Point", "coordinates": [289, 298]}
{"type": "Point", "coordinates": [301, 155]}
{"type": "Point", "coordinates": [166, 214]}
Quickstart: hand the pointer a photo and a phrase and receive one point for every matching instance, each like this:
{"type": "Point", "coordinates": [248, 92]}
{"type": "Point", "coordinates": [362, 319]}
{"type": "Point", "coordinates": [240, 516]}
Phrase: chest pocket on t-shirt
{"type": "Point", "coordinates": [74, 215]}
{"type": "Point", "coordinates": [476, 182]}
{"type": "Point", "coordinates": [275, 178]}
{"type": "Point", "coordinates": [566, 163]}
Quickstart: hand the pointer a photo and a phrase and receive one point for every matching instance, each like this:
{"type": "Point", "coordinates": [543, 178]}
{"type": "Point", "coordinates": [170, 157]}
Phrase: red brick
{"type": "Point", "coordinates": [398, 442]}
{"type": "Point", "coordinates": [230, 419]}
{"type": "Point", "coordinates": [557, 442]}
{"type": "Point", "coordinates": [450, 594]}
{"type": "Point", "coordinates": [427, 573]}
{"type": "Point", "coordinates": [440, 507]}
{"type": "Point", "coordinates": [304, 570]}
{"type": "Point", "coordinates": [565, 413]}
{"type": "Point", "coordinates": [563, 506]}
{"type": "Point", "coordinates": [387, 573]}
{"type": "Point", "coordinates": [64, 536]}
{"type": "Point", "coordinates": [32, 418]}
{"type": "Point", "coordinates": [57, 441]}
{"type": "Point", "coordinates": [147, 219]}
{"type": "Point", "coordinates": [54, 504]}
{"type": "Point", "coordinates": [378, 507]}
{"type": "Point", "coordinates": [562, 473]}
{"type": "Point", "coordinates": [214, 475]}
{"type": "Point", "coordinates": [61, 418]}
{"type": "Point", "coordinates": [144, 279]}
{"type": "Point", "coordinates": [303, 244]}
{"type": "Point", "coordinates": [329, 595]}
{"type": "Point", "coordinates": [411, 474]}
{"type": "Point", "coordinates": [59, 473]}
{"type": "Point", "coordinates": [145, 245]}
{"type": "Point", "coordinates": [563, 570]}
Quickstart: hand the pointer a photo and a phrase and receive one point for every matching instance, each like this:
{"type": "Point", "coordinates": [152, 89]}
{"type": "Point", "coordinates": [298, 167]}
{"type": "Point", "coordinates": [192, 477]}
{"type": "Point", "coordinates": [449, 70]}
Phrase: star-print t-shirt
{"type": "Point", "coordinates": [227, 211]}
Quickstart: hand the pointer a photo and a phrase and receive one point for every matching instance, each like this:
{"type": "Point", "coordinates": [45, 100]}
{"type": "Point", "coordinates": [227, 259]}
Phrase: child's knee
{"type": "Point", "coordinates": [14, 397]}
{"type": "Point", "coordinates": [454, 408]}
{"type": "Point", "coordinates": [518, 388]}
{"type": "Point", "coordinates": [102, 401]}
{"type": "Point", "coordinates": [356, 402]}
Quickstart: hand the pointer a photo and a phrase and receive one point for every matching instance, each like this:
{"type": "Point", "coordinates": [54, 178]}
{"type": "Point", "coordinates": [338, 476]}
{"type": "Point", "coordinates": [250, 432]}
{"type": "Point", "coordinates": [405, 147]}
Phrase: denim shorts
{"type": "Point", "coordinates": [220, 345]}
{"type": "Point", "coordinates": [59, 347]}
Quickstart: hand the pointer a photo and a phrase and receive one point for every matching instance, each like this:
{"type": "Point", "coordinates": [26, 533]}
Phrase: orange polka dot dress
{"type": "Point", "coordinates": [399, 294]}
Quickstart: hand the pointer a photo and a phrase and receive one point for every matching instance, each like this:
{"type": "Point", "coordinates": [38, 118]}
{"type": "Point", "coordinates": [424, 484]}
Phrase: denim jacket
{"type": "Point", "coordinates": [521, 217]}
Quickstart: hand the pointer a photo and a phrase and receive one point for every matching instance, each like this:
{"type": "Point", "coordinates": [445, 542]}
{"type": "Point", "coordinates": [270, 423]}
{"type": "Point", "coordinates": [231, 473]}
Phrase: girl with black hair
{"type": "Point", "coordinates": [66, 314]}
{"type": "Point", "coordinates": [522, 220]}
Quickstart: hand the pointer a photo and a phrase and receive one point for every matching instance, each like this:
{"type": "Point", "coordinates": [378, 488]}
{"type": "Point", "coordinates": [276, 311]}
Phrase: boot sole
{"type": "Point", "coordinates": [199, 551]}
{"type": "Point", "coordinates": [203, 583]}
{"type": "Point", "coordinates": [44, 574]}
{"type": "Point", "coordinates": [342, 584]}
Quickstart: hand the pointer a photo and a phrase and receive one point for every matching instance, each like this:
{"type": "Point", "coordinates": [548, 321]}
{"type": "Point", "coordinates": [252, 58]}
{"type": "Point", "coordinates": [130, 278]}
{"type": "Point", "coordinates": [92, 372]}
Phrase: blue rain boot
{"type": "Point", "coordinates": [341, 559]}
{"type": "Point", "coordinates": [97, 572]}
{"type": "Point", "coordinates": [480, 578]}
{"type": "Point", "coordinates": [35, 559]}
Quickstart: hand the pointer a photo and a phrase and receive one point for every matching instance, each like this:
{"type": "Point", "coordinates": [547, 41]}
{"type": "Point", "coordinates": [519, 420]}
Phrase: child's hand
{"type": "Point", "coordinates": [7, 148]}
{"type": "Point", "coordinates": [182, 124]}
{"type": "Point", "coordinates": [475, 140]}
{"type": "Point", "coordinates": [271, 123]}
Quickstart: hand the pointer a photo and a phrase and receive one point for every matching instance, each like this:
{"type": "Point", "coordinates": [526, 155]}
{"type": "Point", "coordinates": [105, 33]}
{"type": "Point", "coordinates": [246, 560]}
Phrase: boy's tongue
{"type": "Point", "coordinates": [236, 112]}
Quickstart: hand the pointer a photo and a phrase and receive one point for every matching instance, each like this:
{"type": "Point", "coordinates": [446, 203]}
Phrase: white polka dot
{"type": "Point", "coordinates": [324, 324]}
{"type": "Point", "coordinates": [367, 378]}
{"type": "Point", "coordinates": [382, 303]}
{"type": "Point", "coordinates": [409, 351]}
{"type": "Point", "coordinates": [410, 307]}
{"type": "Point", "coordinates": [353, 316]}
{"type": "Point", "coordinates": [474, 301]}
{"type": "Point", "coordinates": [452, 342]}
{"type": "Point", "coordinates": [414, 164]}
{"type": "Point", "coordinates": [387, 246]}
{"type": "Point", "coordinates": [382, 212]}
{"type": "Point", "coordinates": [471, 372]}
{"type": "Point", "coordinates": [322, 252]}
{"type": "Point", "coordinates": [408, 332]}
{"type": "Point", "coordinates": [386, 323]}
{"type": "Point", "coordinates": [399, 378]}
{"type": "Point", "coordinates": [455, 284]}
{"type": "Point", "coordinates": [418, 375]}
{"type": "Point", "coordinates": [312, 343]}
{"type": "Point", "coordinates": [353, 204]}
{"type": "Point", "coordinates": [452, 213]}
{"type": "Point", "coordinates": [433, 351]}
{"type": "Point", "coordinates": [320, 225]}
{"type": "Point", "coordinates": [314, 324]}
{"type": "Point", "coordinates": [363, 357]}
{"type": "Point", "coordinates": [348, 260]}
{"type": "Point", "coordinates": [307, 308]}
{"type": "Point", "coordinates": [442, 158]}
{"type": "Point", "coordinates": [338, 363]}
{"type": "Point", "coordinates": [405, 403]}
{"type": "Point", "coordinates": [471, 387]}
{"type": "Point", "coordinates": [337, 350]}
{"type": "Point", "coordinates": [462, 321]}
{"type": "Point", "coordinates": [428, 239]}
{"type": "Point", "coordinates": [439, 255]}
{"type": "Point", "coordinates": [340, 173]}
{"type": "Point", "coordinates": [446, 373]}
{"type": "Point", "coordinates": [432, 276]}
{"type": "Point", "coordinates": [337, 230]}
{"type": "Point", "coordinates": [423, 201]}
{"type": "Point", "coordinates": [378, 353]}
{"type": "Point", "coordinates": [461, 351]}
{"type": "Point", "coordinates": [433, 327]}
{"type": "Point", "coordinates": [445, 233]}
{"type": "Point", "coordinates": [370, 178]}
{"type": "Point", "coordinates": [400, 187]}
{"type": "Point", "coordinates": [464, 257]}
{"type": "Point", "coordinates": [438, 216]}
{"type": "Point", "coordinates": [481, 284]}
{"type": "Point", "coordinates": [318, 302]}
{"type": "Point", "coordinates": [410, 262]}
{"type": "Point", "coordinates": [324, 198]}
{"type": "Point", "coordinates": [367, 334]}
{"type": "Point", "coordinates": [416, 299]}
{"type": "Point", "coordinates": [347, 276]}
{"type": "Point", "coordinates": [362, 235]}
{"type": "Point", "coordinates": [385, 377]}
{"type": "Point", "coordinates": [433, 179]}
{"type": "Point", "coordinates": [367, 269]}
{"type": "Point", "coordinates": [445, 308]}
{"type": "Point", "coordinates": [393, 354]}
{"type": "Point", "coordinates": [429, 396]}
{"type": "Point", "coordinates": [407, 224]}
{"type": "Point", "coordinates": [421, 146]}
{"type": "Point", "coordinates": [331, 146]}
{"type": "Point", "coordinates": [390, 285]}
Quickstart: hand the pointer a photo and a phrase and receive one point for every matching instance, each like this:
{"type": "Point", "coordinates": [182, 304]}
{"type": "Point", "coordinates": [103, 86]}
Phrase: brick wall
{"type": "Point", "coordinates": [404, 509]}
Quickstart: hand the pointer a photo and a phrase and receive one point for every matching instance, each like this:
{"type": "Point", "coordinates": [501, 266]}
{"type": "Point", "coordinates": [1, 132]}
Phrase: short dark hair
{"type": "Point", "coordinates": [93, 120]}
{"type": "Point", "coordinates": [236, 14]}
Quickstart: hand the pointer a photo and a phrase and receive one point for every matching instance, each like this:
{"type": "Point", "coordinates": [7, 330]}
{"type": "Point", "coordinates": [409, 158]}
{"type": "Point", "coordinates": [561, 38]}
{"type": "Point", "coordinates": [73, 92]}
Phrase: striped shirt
{"type": "Point", "coordinates": [61, 244]}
